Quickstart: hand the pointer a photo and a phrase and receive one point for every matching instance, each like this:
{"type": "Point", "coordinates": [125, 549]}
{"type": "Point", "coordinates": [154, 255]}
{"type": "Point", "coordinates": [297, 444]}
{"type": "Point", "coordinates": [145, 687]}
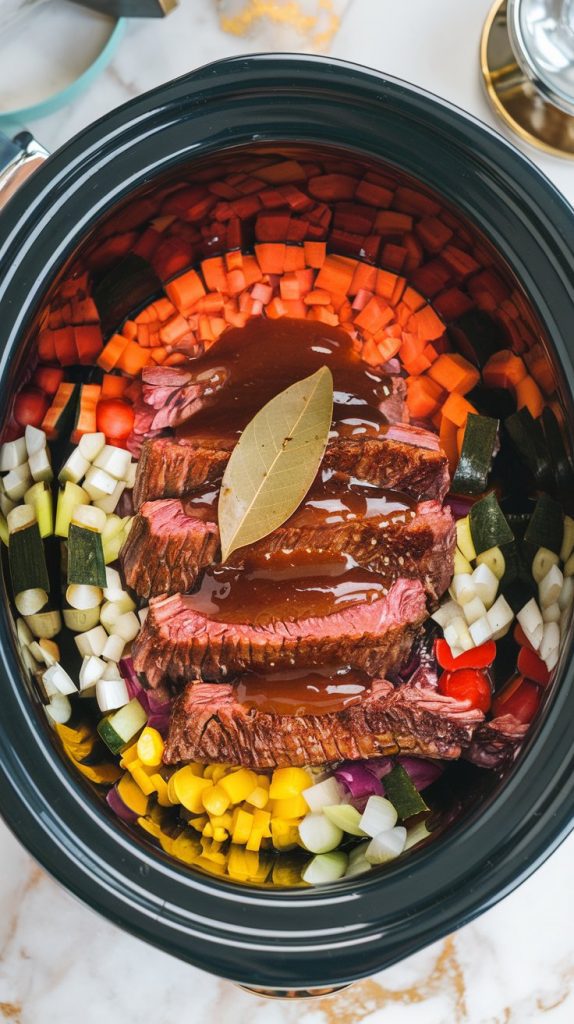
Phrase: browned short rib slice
{"type": "Point", "coordinates": [405, 458]}
{"type": "Point", "coordinates": [177, 643]}
{"type": "Point", "coordinates": [166, 548]}
{"type": "Point", "coordinates": [208, 724]}
{"type": "Point", "coordinates": [495, 743]}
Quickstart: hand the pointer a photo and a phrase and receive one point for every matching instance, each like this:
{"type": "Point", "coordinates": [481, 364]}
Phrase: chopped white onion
{"type": "Point", "coordinates": [567, 593]}
{"type": "Point", "coordinates": [500, 617]}
{"type": "Point", "coordinates": [530, 619]}
{"type": "Point", "coordinates": [35, 440]}
{"type": "Point", "coordinates": [114, 461]}
{"type": "Point", "coordinates": [552, 613]}
{"type": "Point", "coordinates": [379, 815]}
{"type": "Point", "coordinates": [17, 482]}
{"type": "Point", "coordinates": [485, 584]}
{"type": "Point", "coordinates": [83, 596]}
{"type": "Point", "coordinates": [98, 483]}
{"type": "Point", "coordinates": [89, 517]}
{"type": "Point", "coordinates": [359, 867]}
{"type": "Point", "coordinates": [6, 505]}
{"type": "Point", "coordinates": [13, 454]}
{"type": "Point", "coordinates": [74, 468]}
{"type": "Point", "coordinates": [92, 669]}
{"type": "Point", "coordinates": [543, 561]}
{"type": "Point", "coordinates": [59, 710]}
{"type": "Point", "coordinates": [568, 568]}
{"type": "Point", "coordinates": [113, 590]}
{"type": "Point", "coordinates": [29, 602]}
{"type": "Point", "coordinates": [127, 626]}
{"type": "Point", "coordinates": [143, 614]}
{"type": "Point", "coordinates": [550, 587]}
{"type": "Point", "coordinates": [473, 610]}
{"type": "Point", "coordinates": [463, 588]}
{"type": "Point", "coordinates": [111, 671]}
{"type": "Point", "coordinates": [550, 644]}
{"type": "Point", "coordinates": [387, 845]}
{"type": "Point", "coordinates": [327, 867]}
{"type": "Point", "coordinates": [318, 834]}
{"type": "Point", "coordinates": [24, 633]}
{"type": "Point", "coordinates": [90, 445]}
{"type": "Point", "coordinates": [416, 834]}
{"type": "Point", "coordinates": [480, 631]}
{"type": "Point", "coordinates": [20, 517]}
{"type": "Point", "coordinates": [40, 466]}
{"type": "Point", "coordinates": [131, 475]}
{"type": "Point", "coordinates": [111, 694]}
{"type": "Point", "coordinates": [446, 612]}
{"type": "Point", "coordinates": [346, 817]}
{"type": "Point", "coordinates": [456, 634]}
{"type": "Point", "coordinates": [110, 502]}
{"type": "Point", "coordinates": [324, 794]}
{"type": "Point", "coordinates": [92, 641]}
{"type": "Point", "coordinates": [29, 659]}
{"type": "Point", "coordinates": [58, 677]}
{"type": "Point", "coordinates": [109, 615]}
{"type": "Point", "coordinates": [114, 647]}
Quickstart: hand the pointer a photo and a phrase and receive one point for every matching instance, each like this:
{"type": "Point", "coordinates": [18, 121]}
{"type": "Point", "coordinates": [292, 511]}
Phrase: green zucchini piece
{"type": "Point", "coordinates": [488, 524]}
{"type": "Point", "coordinates": [403, 794]}
{"type": "Point", "coordinates": [475, 461]}
{"type": "Point", "coordinates": [117, 729]}
{"type": "Point", "coordinates": [86, 557]}
{"type": "Point", "coordinates": [27, 560]}
{"type": "Point", "coordinates": [517, 585]}
{"type": "Point", "coordinates": [561, 464]}
{"type": "Point", "coordinates": [528, 438]}
{"type": "Point", "coordinates": [546, 526]}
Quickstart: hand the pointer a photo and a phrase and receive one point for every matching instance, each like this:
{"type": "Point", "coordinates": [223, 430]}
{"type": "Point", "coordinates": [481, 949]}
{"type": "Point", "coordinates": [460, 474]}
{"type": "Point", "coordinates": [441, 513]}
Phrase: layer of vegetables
{"type": "Point", "coordinates": [409, 284]}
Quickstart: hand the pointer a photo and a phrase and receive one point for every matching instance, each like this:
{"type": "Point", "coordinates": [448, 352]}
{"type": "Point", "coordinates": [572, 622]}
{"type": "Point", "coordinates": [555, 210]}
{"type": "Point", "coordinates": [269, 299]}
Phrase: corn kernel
{"type": "Point", "coordinates": [242, 825]}
{"type": "Point", "coordinates": [259, 797]}
{"type": "Point", "coordinates": [215, 800]}
{"type": "Point", "coordinates": [160, 786]}
{"type": "Point", "coordinates": [292, 807]}
{"type": "Point", "coordinates": [131, 795]}
{"type": "Point", "coordinates": [222, 820]}
{"type": "Point", "coordinates": [219, 770]}
{"type": "Point", "coordinates": [150, 747]}
{"type": "Point", "coordinates": [261, 821]}
{"type": "Point", "coordinates": [188, 789]}
{"type": "Point", "coordinates": [220, 834]}
{"type": "Point", "coordinates": [141, 777]}
{"type": "Point", "coordinates": [207, 830]}
{"type": "Point", "coordinates": [288, 782]}
{"type": "Point", "coordinates": [198, 823]}
{"type": "Point", "coordinates": [239, 784]}
{"type": "Point", "coordinates": [209, 770]}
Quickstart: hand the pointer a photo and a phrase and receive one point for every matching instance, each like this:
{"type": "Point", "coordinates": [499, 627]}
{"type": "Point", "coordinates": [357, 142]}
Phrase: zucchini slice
{"type": "Point", "coordinates": [403, 794]}
{"type": "Point", "coordinates": [117, 729]}
{"type": "Point", "coordinates": [528, 438]}
{"type": "Point", "coordinates": [546, 526]}
{"type": "Point", "coordinates": [86, 557]}
{"type": "Point", "coordinates": [475, 461]}
{"type": "Point", "coordinates": [27, 560]}
{"type": "Point", "coordinates": [488, 524]}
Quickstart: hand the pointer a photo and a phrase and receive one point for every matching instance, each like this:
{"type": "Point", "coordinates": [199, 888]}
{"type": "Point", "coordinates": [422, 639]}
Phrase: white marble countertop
{"type": "Point", "coordinates": [61, 963]}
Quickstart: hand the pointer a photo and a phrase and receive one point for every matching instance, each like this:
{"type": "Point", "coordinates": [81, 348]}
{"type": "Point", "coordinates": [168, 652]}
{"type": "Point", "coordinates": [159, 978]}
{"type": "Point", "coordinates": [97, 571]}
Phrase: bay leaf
{"type": "Point", "coordinates": [275, 461]}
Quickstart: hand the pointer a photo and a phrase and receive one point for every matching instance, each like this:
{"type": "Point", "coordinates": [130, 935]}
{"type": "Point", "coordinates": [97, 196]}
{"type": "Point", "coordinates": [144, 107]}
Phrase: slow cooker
{"type": "Point", "coordinates": [499, 829]}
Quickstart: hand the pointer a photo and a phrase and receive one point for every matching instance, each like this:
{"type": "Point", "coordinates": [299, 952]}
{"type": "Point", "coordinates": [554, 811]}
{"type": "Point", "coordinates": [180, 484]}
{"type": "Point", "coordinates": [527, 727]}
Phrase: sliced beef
{"type": "Point", "coordinates": [495, 743]}
{"type": "Point", "coordinates": [178, 644]}
{"type": "Point", "coordinates": [208, 724]}
{"type": "Point", "coordinates": [166, 548]}
{"type": "Point", "coordinates": [405, 458]}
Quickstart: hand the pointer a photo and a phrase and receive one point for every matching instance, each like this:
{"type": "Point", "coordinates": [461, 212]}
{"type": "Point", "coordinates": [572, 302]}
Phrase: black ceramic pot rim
{"type": "Point", "coordinates": [289, 938]}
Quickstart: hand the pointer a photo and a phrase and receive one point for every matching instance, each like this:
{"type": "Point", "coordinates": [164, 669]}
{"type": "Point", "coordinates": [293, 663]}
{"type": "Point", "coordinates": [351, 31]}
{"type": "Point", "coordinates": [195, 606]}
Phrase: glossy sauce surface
{"type": "Point", "coordinates": [266, 356]}
{"type": "Point", "coordinates": [285, 586]}
{"type": "Point", "coordinates": [320, 691]}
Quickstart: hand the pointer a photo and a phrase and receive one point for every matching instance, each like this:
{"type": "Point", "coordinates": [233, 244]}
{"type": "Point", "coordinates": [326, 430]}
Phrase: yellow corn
{"type": "Point", "coordinates": [219, 770]}
{"type": "Point", "coordinates": [207, 830]}
{"type": "Point", "coordinates": [260, 826]}
{"type": "Point", "coordinates": [186, 848]}
{"type": "Point", "coordinates": [211, 850]}
{"type": "Point", "coordinates": [188, 788]}
{"type": "Point", "coordinates": [141, 777]}
{"type": "Point", "coordinates": [171, 794]}
{"type": "Point", "coordinates": [220, 834]}
{"type": "Point", "coordinates": [209, 770]}
{"type": "Point", "coordinates": [292, 807]}
{"type": "Point", "coordinates": [129, 754]}
{"type": "Point", "coordinates": [288, 782]}
{"type": "Point", "coordinates": [160, 786]}
{"type": "Point", "coordinates": [222, 821]}
{"type": "Point", "coordinates": [132, 795]}
{"type": "Point", "coordinates": [215, 800]}
{"type": "Point", "coordinates": [198, 823]}
{"type": "Point", "coordinates": [149, 826]}
{"type": "Point", "coordinates": [263, 780]}
{"type": "Point", "coordinates": [239, 784]}
{"type": "Point", "coordinates": [242, 825]}
{"type": "Point", "coordinates": [284, 833]}
{"type": "Point", "coordinates": [150, 747]}
{"type": "Point", "coordinates": [259, 797]}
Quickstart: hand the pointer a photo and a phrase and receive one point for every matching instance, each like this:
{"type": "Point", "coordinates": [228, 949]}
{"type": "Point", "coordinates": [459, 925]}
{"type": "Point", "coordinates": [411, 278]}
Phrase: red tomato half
{"type": "Point", "coordinates": [467, 684]}
{"type": "Point", "coordinates": [519, 698]}
{"type": "Point", "coordinates": [30, 407]}
{"type": "Point", "coordinates": [114, 417]}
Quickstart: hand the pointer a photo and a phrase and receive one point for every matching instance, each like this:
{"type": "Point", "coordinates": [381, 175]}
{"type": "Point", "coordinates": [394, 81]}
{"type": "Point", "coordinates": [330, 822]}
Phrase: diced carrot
{"type": "Point", "coordinates": [454, 373]}
{"type": "Point", "coordinates": [456, 408]}
{"type": "Point", "coordinates": [276, 309]}
{"type": "Point", "coordinates": [213, 270]}
{"type": "Point", "coordinates": [387, 345]}
{"type": "Point", "coordinates": [163, 309]}
{"type": "Point", "coordinates": [145, 316]}
{"type": "Point", "coordinates": [65, 346]}
{"type": "Point", "coordinates": [431, 353]}
{"type": "Point", "coordinates": [414, 252]}
{"type": "Point", "coordinates": [412, 201]}
{"type": "Point", "coordinates": [46, 346]}
{"type": "Point", "coordinates": [251, 271]}
{"type": "Point", "coordinates": [398, 290]}
{"type": "Point", "coordinates": [412, 356]}
{"type": "Point", "coordinates": [218, 325]}
{"type": "Point", "coordinates": [433, 233]}
{"type": "Point", "coordinates": [460, 439]}
{"type": "Point", "coordinates": [389, 222]}
{"type": "Point", "coordinates": [332, 187]}
{"type": "Point", "coordinates": [233, 261]}
{"type": "Point", "coordinates": [88, 342]}
{"type": "Point", "coordinates": [211, 303]}
{"type": "Point", "coordinates": [529, 396]}
{"type": "Point", "coordinates": [459, 261]}
{"type": "Point", "coordinates": [48, 378]}
{"type": "Point", "coordinates": [130, 329]}
{"type": "Point", "coordinates": [133, 359]}
{"type": "Point", "coordinates": [262, 293]}
{"type": "Point", "coordinates": [315, 253]}
{"type": "Point", "coordinates": [272, 226]}
{"type": "Point", "coordinates": [204, 331]}
{"type": "Point", "coordinates": [185, 290]}
{"type": "Point", "coordinates": [364, 279]}
{"type": "Point", "coordinates": [448, 441]}
{"type": "Point", "coordinates": [376, 314]}
{"type": "Point", "coordinates": [423, 397]}
{"type": "Point", "coordinates": [83, 311]}
{"type": "Point", "coordinates": [271, 257]}
{"type": "Point", "coordinates": [295, 308]}
{"type": "Point", "coordinates": [504, 369]}
{"type": "Point", "coordinates": [282, 173]}
{"type": "Point", "coordinates": [236, 282]}
{"type": "Point", "coordinates": [174, 329]}
{"type": "Point", "coordinates": [385, 284]}
{"type": "Point", "coordinates": [294, 258]}
{"type": "Point", "coordinates": [175, 359]}
{"type": "Point", "coordinates": [427, 324]}
{"type": "Point", "coordinates": [373, 195]}
{"type": "Point", "coordinates": [289, 287]}
{"type": "Point", "coordinates": [322, 314]}
{"type": "Point", "coordinates": [144, 336]}
{"type": "Point", "coordinates": [113, 386]}
{"type": "Point", "coordinates": [336, 274]}
{"type": "Point", "coordinates": [317, 298]}
{"type": "Point", "coordinates": [86, 416]}
{"type": "Point", "coordinates": [111, 353]}
{"type": "Point", "coordinates": [393, 256]}
{"type": "Point", "coordinates": [159, 354]}
{"type": "Point", "coordinates": [541, 368]}
{"type": "Point", "coordinates": [413, 300]}
{"type": "Point", "coordinates": [370, 353]}
{"type": "Point", "coordinates": [452, 303]}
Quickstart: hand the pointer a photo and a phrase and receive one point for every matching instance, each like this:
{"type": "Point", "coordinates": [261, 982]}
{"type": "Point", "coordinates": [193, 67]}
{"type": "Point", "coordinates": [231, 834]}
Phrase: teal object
{"type": "Point", "coordinates": [72, 91]}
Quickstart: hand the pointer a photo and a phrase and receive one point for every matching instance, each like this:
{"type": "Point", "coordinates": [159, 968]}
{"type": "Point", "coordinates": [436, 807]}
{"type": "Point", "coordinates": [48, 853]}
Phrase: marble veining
{"type": "Point", "coordinates": [59, 962]}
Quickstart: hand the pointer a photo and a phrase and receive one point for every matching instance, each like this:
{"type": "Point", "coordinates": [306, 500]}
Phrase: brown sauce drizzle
{"type": "Point", "coordinates": [266, 356]}
{"type": "Point", "coordinates": [319, 691]}
{"type": "Point", "coordinates": [285, 586]}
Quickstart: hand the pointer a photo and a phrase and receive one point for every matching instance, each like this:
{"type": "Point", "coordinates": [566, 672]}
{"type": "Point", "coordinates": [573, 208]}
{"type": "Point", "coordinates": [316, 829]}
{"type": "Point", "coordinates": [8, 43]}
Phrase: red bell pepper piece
{"type": "Point", "coordinates": [519, 698]}
{"type": "Point", "coordinates": [478, 657]}
{"type": "Point", "coordinates": [531, 666]}
{"type": "Point", "coordinates": [521, 638]}
{"type": "Point", "coordinates": [467, 684]}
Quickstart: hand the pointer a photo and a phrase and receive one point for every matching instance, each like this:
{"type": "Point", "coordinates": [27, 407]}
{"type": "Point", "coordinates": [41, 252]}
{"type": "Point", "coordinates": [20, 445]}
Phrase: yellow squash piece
{"type": "Point", "coordinates": [284, 833]}
{"type": "Point", "coordinates": [215, 800]}
{"type": "Point", "coordinates": [150, 747]}
{"type": "Point", "coordinates": [293, 807]}
{"type": "Point", "coordinates": [186, 848]}
{"type": "Point", "coordinates": [288, 782]}
{"type": "Point", "coordinates": [259, 830]}
{"type": "Point", "coordinates": [259, 797]}
{"type": "Point", "coordinates": [132, 795]}
{"type": "Point", "coordinates": [239, 784]}
{"type": "Point", "coordinates": [242, 825]}
{"type": "Point", "coordinates": [187, 787]}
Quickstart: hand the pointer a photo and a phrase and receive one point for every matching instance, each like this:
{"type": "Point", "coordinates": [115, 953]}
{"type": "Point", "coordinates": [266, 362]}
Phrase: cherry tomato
{"type": "Point", "coordinates": [48, 378]}
{"type": "Point", "coordinates": [114, 417]}
{"type": "Point", "coordinates": [467, 684]}
{"type": "Point", "coordinates": [478, 657]}
{"type": "Point", "coordinates": [30, 407]}
{"type": "Point", "coordinates": [519, 698]}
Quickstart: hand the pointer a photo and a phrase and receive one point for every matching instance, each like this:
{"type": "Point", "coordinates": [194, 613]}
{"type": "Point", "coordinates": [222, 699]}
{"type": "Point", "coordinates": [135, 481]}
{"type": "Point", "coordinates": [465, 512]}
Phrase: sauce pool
{"type": "Point", "coordinates": [319, 691]}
